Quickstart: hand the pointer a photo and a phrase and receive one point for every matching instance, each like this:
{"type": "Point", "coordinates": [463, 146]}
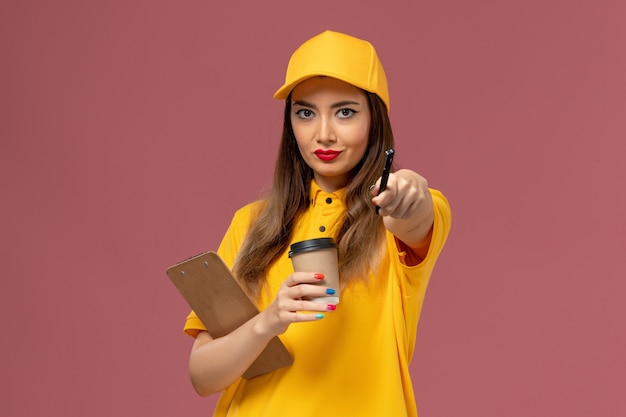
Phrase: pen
{"type": "Point", "coordinates": [386, 170]}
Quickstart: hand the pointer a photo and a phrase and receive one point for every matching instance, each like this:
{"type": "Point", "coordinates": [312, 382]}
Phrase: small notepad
{"type": "Point", "coordinates": [210, 289]}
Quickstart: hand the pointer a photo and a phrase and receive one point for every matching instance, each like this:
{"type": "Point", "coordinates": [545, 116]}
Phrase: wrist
{"type": "Point", "coordinates": [260, 328]}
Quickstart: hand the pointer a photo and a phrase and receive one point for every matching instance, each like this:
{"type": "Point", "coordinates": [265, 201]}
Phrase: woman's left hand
{"type": "Point", "coordinates": [406, 206]}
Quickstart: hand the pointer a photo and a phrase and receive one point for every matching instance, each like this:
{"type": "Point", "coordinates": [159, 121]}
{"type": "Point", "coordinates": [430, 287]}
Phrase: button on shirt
{"type": "Point", "coordinates": [326, 209]}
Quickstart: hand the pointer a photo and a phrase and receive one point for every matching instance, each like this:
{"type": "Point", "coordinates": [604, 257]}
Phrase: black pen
{"type": "Point", "coordinates": [386, 170]}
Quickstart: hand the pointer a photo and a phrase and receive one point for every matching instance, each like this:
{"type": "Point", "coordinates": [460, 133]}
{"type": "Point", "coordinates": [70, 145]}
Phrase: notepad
{"type": "Point", "coordinates": [210, 289]}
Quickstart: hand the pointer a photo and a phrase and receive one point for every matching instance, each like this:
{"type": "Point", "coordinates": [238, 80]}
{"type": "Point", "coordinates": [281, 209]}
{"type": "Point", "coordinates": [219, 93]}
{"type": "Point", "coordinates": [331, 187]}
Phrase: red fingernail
{"type": "Point", "coordinates": [331, 307]}
{"type": "Point", "coordinates": [318, 276]}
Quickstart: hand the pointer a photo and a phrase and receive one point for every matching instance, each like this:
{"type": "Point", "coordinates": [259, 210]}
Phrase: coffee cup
{"type": "Point", "coordinates": [318, 255]}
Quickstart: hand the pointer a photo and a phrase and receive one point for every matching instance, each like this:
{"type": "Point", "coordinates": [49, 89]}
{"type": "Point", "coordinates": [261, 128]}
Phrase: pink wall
{"type": "Point", "coordinates": [131, 131]}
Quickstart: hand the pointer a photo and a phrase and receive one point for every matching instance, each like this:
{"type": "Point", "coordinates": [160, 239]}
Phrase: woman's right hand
{"type": "Point", "coordinates": [292, 303]}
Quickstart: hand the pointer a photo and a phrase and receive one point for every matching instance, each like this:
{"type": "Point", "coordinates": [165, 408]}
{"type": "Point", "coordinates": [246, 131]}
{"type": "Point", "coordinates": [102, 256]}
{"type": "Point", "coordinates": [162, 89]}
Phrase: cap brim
{"type": "Point", "coordinates": [284, 91]}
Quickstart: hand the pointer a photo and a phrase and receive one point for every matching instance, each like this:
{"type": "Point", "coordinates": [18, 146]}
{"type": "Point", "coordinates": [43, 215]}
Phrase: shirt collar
{"type": "Point", "coordinates": [316, 194]}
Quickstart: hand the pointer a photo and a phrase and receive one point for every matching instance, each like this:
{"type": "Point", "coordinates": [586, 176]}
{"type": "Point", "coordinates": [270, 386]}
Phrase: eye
{"type": "Point", "coordinates": [304, 113]}
{"type": "Point", "coordinates": [346, 113]}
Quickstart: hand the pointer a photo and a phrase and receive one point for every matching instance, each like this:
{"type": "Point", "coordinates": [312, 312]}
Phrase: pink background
{"type": "Point", "coordinates": [132, 130]}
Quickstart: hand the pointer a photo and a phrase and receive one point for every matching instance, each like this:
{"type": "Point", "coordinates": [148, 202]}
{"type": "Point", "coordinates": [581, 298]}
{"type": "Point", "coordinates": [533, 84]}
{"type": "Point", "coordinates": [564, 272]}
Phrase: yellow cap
{"type": "Point", "coordinates": [339, 56]}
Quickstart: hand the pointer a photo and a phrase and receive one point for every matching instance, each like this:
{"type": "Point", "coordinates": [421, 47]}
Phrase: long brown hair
{"type": "Point", "coordinates": [359, 235]}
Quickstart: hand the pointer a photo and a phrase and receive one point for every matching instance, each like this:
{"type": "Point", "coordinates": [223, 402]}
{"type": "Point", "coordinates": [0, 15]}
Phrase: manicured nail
{"type": "Point", "coordinates": [330, 291]}
{"type": "Point", "coordinates": [331, 307]}
{"type": "Point", "coordinates": [318, 276]}
{"type": "Point", "coordinates": [319, 316]}
{"type": "Point", "coordinates": [372, 186]}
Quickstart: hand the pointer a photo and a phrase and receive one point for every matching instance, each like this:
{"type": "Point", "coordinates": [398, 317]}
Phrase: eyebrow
{"type": "Point", "coordinates": [333, 106]}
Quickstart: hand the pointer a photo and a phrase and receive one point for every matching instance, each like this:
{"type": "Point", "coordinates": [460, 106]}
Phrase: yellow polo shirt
{"type": "Point", "coordinates": [355, 361]}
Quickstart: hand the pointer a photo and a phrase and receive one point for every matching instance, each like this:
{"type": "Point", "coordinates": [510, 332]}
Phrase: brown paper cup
{"type": "Point", "coordinates": [318, 255]}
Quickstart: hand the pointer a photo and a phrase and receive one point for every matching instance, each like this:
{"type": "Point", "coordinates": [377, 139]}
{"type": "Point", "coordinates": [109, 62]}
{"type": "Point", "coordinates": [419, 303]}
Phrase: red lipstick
{"type": "Point", "coordinates": [326, 154]}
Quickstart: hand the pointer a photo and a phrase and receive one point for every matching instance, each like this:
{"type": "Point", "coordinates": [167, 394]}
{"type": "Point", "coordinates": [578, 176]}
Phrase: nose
{"type": "Point", "coordinates": [326, 131]}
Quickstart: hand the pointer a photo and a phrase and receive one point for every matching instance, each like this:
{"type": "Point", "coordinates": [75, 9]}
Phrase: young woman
{"type": "Point", "coordinates": [350, 358]}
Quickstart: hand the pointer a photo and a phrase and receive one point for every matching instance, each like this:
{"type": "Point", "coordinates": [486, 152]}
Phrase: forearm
{"type": "Point", "coordinates": [407, 207]}
{"type": "Point", "coordinates": [214, 364]}
{"type": "Point", "coordinates": [414, 231]}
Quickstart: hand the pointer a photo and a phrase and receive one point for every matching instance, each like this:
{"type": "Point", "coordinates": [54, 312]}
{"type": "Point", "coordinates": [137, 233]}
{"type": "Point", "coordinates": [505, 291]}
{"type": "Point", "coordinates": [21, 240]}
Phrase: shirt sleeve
{"type": "Point", "coordinates": [228, 249]}
{"type": "Point", "coordinates": [441, 228]}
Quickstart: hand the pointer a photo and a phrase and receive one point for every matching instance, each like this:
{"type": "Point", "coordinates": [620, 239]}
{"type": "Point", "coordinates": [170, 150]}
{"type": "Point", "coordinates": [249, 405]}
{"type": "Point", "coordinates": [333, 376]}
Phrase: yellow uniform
{"type": "Point", "coordinates": [355, 361]}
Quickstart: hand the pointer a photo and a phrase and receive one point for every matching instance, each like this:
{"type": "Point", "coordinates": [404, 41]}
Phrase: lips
{"type": "Point", "coordinates": [326, 155]}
